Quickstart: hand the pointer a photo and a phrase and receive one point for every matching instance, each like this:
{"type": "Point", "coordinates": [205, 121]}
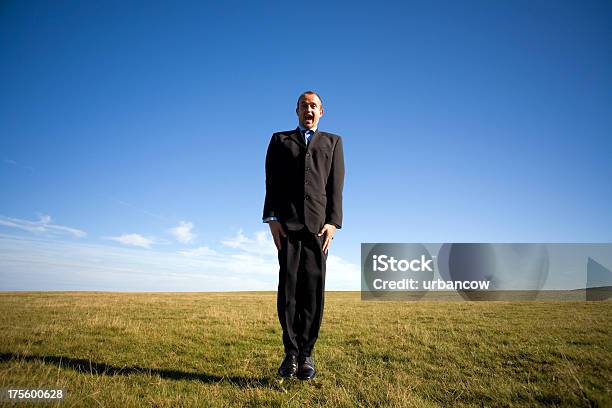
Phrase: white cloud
{"type": "Point", "coordinates": [201, 251]}
{"type": "Point", "coordinates": [14, 163]}
{"type": "Point", "coordinates": [133, 240]}
{"type": "Point", "coordinates": [43, 225]}
{"type": "Point", "coordinates": [262, 243]}
{"type": "Point", "coordinates": [258, 254]}
{"type": "Point", "coordinates": [242, 262]}
{"type": "Point", "coordinates": [341, 274]}
{"type": "Point", "coordinates": [183, 232]}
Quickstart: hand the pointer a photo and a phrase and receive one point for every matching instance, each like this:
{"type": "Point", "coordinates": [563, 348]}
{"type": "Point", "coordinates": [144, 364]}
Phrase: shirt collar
{"type": "Point", "coordinates": [303, 129]}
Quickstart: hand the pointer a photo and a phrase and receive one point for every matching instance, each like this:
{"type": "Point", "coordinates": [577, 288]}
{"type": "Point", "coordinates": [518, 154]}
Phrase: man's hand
{"type": "Point", "coordinates": [329, 230]}
{"type": "Point", "coordinates": [277, 231]}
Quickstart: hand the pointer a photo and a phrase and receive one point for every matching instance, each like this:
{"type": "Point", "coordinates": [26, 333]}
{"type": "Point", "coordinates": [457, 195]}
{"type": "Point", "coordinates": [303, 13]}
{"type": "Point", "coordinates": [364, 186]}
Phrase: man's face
{"type": "Point", "coordinates": [309, 111]}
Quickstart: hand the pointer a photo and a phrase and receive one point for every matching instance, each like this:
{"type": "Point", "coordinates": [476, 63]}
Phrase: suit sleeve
{"type": "Point", "coordinates": [334, 187]}
{"type": "Point", "coordinates": [270, 206]}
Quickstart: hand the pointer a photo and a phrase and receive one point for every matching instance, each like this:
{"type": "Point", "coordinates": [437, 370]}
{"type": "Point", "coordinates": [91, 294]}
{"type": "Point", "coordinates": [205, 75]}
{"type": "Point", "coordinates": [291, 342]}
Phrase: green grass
{"type": "Point", "coordinates": [223, 349]}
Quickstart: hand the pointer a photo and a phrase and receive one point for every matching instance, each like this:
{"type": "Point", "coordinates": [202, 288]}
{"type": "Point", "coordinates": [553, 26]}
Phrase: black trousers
{"type": "Point", "coordinates": [301, 285]}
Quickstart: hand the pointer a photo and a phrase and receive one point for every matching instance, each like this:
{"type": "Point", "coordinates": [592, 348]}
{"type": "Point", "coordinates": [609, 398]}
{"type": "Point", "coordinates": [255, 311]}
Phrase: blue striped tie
{"type": "Point", "coordinates": [308, 135]}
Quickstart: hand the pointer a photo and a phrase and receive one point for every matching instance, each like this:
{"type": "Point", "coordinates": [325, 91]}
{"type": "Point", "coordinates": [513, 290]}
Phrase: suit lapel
{"type": "Point", "coordinates": [298, 137]}
{"type": "Point", "coordinates": [314, 139]}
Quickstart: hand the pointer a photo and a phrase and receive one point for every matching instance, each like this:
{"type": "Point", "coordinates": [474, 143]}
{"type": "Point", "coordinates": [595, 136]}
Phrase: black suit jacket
{"type": "Point", "coordinates": [304, 183]}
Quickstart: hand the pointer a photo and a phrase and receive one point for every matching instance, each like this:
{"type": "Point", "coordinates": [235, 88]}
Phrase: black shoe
{"type": "Point", "coordinates": [289, 366]}
{"type": "Point", "coordinates": [306, 370]}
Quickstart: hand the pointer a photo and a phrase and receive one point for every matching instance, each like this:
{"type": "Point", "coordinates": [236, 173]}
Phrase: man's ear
{"type": "Point", "coordinates": [322, 111]}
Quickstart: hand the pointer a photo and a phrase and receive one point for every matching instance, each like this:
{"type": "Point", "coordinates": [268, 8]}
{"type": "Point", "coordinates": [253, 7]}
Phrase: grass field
{"type": "Point", "coordinates": [223, 349]}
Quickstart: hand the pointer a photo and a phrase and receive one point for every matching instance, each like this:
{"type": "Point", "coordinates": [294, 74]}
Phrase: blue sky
{"type": "Point", "coordinates": [133, 134]}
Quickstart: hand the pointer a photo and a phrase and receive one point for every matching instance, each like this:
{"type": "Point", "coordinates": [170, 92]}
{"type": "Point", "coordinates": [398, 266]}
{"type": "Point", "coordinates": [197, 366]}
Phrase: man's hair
{"type": "Point", "coordinates": [308, 93]}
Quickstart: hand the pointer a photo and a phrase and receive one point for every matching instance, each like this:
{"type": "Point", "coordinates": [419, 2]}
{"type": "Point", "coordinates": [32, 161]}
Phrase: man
{"type": "Point", "coordinates": [303, 208]}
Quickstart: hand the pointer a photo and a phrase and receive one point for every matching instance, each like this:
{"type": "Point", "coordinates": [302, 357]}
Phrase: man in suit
{"type": "Point", "coordinates": [303, 208]}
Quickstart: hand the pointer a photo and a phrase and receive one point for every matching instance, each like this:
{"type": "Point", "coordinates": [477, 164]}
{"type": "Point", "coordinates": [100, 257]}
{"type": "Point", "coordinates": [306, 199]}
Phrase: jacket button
{"type": "Point", "coordinates": [307, 197]}
{"type": "Point", "coordinates": [307, 182]}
